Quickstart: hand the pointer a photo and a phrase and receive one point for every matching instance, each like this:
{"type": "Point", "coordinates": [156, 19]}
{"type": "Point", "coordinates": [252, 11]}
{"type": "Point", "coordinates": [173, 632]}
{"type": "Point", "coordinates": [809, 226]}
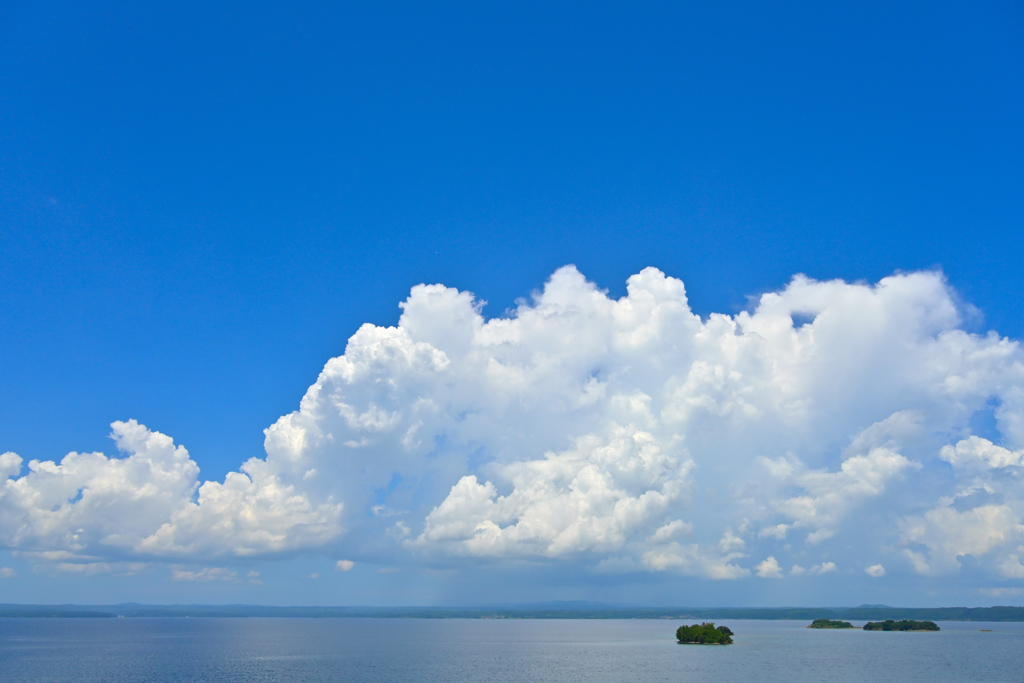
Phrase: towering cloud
{"type": "Point", "coordinates": [627, 435]}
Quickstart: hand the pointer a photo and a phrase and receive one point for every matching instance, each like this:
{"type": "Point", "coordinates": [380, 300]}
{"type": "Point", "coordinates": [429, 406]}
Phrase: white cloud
{"type": "Point", "coordinates": [151, 504]}
{"type": "Point", "coordinates": [590, 498]}
{"type": "Point", "coordinates": [1001, 592]}
{"type": "Point", "coordinates": [344, 565]}
{"type": "Point", "coordinates": [204, 574]}
{"type": "Point", "coordinates": [89, 500]}
{"type": "Point", "coordinates": [875, 571]}
{"type": "Point", "coordinates": [677, 528]}
{"type": "Point", "coordinates": [824, 499]}
{"type": "Point", "coordinates": [1012, 565]}
{"type": "Point", "coordinates": [7, 573]}
{"type": "Point", "coordinates": [815, 570]}
{"type": "Point", "coordinates": [692, 560]}
{"type": "Point", "coordinates": [778, 531]}
{"type": "Point", "coordinates": [625, 434]}
{"type": "Point", "coordinates": [769, 568]}
{"type": "Point", "coordinates": [10, 464]}
{"type": "Point", "coordinates": [823, 568]}
{"type": "Point", "coordinates": [974, 451]}
{"type": "Point", "coordinates": [947, 534]}
{"type": "Point", "coordinates": [94, 568]}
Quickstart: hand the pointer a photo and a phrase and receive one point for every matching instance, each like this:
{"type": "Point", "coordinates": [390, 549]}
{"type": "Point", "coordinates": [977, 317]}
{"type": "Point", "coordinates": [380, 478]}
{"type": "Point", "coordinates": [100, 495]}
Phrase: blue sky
{"type": "Point", "coordinates": [200, 205]}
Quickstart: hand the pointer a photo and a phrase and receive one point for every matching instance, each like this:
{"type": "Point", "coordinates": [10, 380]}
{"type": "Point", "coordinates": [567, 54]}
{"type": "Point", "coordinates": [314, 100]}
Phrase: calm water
{"type": "Point", "coordinates": [314, 650]}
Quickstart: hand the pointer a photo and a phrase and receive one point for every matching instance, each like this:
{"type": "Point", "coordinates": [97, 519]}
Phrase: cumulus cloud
{"type": "Point", "coordinates": [769, 568]}
{"type": "Point", "coordinates": [875, 571]}
{"type": "Point", "coordinates": [981, 518]}
{"type": "Point", "coordinates": [978, 451]}
{"type": "Point", "coordinates": [623, 435]}
{"type": "Point", "coordinates": [150, 503]}
{"type": "Point", "coordinates": [823, 568]}
{"type": "Point", "coordinates": [826, 498]}
{"type": "Point", "coordinates": [592, 497]}
{"type": "Point", "coordinates": [692, 560]}
{"type": "Point", "coordinates": [949, 534]}
{"type": "Point", "coordinates": [344, 565]}
{"type": "Point", "coordinates": [7, 573]}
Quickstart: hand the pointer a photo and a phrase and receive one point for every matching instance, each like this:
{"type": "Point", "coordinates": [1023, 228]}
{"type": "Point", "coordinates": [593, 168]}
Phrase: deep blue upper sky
{"type": "Point", "coordinates": [199, 203]}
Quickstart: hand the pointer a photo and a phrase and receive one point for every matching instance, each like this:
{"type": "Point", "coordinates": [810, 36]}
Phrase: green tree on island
{"type": "Point", "coordinates": [903, 625]}
{"type": "Point", "coordinates": [704, 634]}
{"type": "Point", "coordinates": [830, 623]}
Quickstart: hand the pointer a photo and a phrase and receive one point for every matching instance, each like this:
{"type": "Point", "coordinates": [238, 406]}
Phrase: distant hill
{"type": "Point", "coordinates": [53, 611]}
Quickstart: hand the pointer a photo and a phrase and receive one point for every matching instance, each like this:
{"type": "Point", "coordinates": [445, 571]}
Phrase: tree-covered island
{"type": "Point", "coordinates": [704, 634]}
{"type": "Point", "coordinates": [902, 625]}
{"type": "Point", "coordinates": [830, 623]}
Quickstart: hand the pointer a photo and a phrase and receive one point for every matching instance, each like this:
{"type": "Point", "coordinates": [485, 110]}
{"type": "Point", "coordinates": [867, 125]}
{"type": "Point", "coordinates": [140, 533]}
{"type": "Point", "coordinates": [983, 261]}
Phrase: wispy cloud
{"type": "Point", "coordinates": [204, 574]}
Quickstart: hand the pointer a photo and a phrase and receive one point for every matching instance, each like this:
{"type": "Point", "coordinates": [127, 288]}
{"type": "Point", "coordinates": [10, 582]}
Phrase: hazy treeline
{"type": "Point", "coordinates": [799, 613]}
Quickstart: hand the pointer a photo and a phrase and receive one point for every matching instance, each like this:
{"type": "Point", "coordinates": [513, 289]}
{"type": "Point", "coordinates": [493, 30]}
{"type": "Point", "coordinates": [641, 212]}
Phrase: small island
{"type": "Point", "coordinates": [902, 625]}
{"type": "Point", "coordinates": [830, 623]}
{"type": "Point", "coordinates": [704, 634]}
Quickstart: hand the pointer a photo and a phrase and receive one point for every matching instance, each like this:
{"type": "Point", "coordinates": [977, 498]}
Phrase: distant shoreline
{"type": "Point", "coordinates": [506, 612]}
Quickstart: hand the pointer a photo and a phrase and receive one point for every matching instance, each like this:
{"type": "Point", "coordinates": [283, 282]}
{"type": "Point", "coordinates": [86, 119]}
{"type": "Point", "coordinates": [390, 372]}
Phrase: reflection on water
{"type": "Point", "coordinates": [314, 650]}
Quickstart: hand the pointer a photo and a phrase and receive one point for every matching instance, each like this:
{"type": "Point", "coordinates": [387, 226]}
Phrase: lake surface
{"type": "Point", "coordinates": [427, 650]}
